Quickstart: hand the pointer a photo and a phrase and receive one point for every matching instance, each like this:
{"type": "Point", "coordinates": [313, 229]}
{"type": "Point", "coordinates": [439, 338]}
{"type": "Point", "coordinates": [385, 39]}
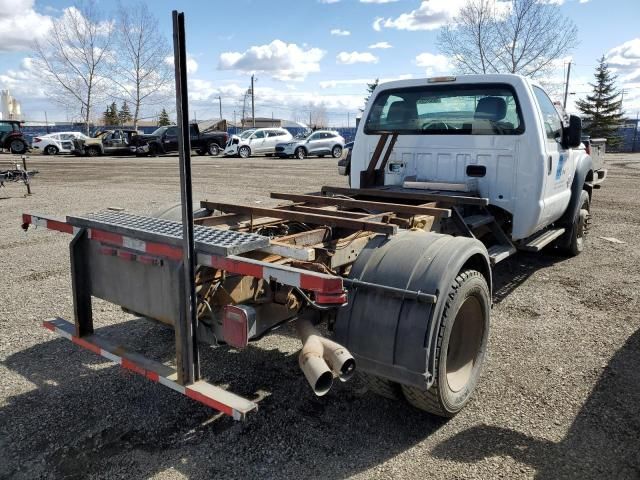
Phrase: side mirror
{"type": "Point", "coordinates": [572, 135]}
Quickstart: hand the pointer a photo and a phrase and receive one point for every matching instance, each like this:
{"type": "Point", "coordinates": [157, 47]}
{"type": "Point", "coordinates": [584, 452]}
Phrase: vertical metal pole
{"type": "Point", "coordinates": [253, 108]}
{"type": "Point", "coordinates": [220, 103]}
{"type": "Point", "coordinates": [186, 343]}
{"type": "Point", "coordinates": [566, 87]}
{"type": "Point", "coordinates": [24, 165]}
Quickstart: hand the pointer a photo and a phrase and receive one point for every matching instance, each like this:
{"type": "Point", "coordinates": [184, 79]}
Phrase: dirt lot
{"type": "Point", "coordinates": [560, 395]}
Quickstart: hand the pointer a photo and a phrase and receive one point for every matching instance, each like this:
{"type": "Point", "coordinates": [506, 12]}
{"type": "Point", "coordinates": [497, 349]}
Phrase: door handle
{"type": "Point", "coordinates": [550, 165]}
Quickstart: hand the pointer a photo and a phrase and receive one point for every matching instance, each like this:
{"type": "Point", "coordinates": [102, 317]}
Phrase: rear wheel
{"type": "Point", "coordinates": [461, 346]}
{"type": "Point", "coordinates": [381, 386]}
{"type": "Point", "coordinates": [336, 152]}
{"type": "Point", "coordinates": [213, 149]}
{"type": "Point", "coordinates": [244, 152]}
{"type": "Point", "coordinates": [579, 227]}
{"type": "Point", "coordinates": [51, 150]}
{"type": "Point", "coordinates": [18, 146]}
{"type": "Point", "coordinates": [300, 153]}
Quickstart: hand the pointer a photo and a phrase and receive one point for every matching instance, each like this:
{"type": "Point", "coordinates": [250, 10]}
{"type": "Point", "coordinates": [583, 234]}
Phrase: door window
{"type": "Point", "coordinates": [552, 122]}
{"type": "Point", "coordinates": [259, 134]}
{"type": "Point", "coordinates": [172, 132]}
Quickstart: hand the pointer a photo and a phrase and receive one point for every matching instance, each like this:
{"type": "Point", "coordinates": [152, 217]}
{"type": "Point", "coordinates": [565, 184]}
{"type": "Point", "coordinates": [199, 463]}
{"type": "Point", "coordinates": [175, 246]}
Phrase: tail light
{"type": "Point", "coordinates": [238, 325]}
{"type": "Point", "coordinates": [37, 139]}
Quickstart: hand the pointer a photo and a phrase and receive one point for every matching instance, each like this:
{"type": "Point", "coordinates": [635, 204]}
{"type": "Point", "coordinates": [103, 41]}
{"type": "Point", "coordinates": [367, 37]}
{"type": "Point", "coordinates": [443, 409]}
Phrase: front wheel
{"type": "Point", "coordinates": [336, 152]}
{"type": "Point", "coordinates": [461, 346]}
{"type": "Point", "coordinates": [93, 151]}
{"type": "Point", "coordinates": [18, 146]}
{"type": "Point", "coordinates": [213, 149]}
{"type": "Point", "coordinates": [51, 150]}
{"type": "Point", "coordinates": [300, 153]}
{"type": "Point", "coordinates": [579, 227]}
{"type": "Point", "coordinates": [244, 152]}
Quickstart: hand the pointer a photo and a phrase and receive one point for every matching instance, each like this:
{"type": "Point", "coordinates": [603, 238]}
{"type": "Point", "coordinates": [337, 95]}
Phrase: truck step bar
{"type": "Point", "coordinates": [500, 252]}
{"type": "Point", "coordinates": [540, 240]}
{"type": "Point", "coordinates": [476, 221]}
{"type": "Point", "coordinates": [215, 397]}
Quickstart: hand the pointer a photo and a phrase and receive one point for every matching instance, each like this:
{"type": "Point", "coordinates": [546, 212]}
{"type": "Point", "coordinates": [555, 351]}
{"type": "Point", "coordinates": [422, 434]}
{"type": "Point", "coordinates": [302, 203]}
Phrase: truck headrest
{"type": "Point", "coordinates": [491, 108]}
{"type": "Point", "coordinates": [400, 111]}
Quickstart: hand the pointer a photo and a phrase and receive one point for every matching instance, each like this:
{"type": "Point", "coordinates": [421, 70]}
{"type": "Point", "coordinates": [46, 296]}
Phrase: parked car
{"type": "Point", "coordinates": [165, 140]}
{"type": "Point", "coordinates": [259, 141]}
{"type": "Point", "coordinates": [318, 143]}
{"type": "Point", "coordinates": [54, 143]}
{"type": "Point", "coordinates": [106, 142]}
{"type": "Point", "coordinates": [11, 137]}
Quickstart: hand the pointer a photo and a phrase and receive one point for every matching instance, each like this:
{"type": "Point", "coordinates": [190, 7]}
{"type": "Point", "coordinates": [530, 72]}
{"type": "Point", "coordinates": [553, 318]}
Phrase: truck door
{"type": "Point", "coordinates": [170, 140]}
{"type": "Point", "coordinates": [558, 167]}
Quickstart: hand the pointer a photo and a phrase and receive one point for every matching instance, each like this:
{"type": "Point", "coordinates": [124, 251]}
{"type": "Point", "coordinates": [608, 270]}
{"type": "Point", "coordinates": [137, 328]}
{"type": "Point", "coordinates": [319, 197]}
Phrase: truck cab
{"type": "Point", "coordinates": [496, 136]}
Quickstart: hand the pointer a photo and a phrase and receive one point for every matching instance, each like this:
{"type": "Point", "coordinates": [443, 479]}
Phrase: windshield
{"type": "Point", "coordinates": [158, 132]}
{"type": "Point", "coordinates": [246, 134]}
{"type": "Point", "coordinates": [446, 110]}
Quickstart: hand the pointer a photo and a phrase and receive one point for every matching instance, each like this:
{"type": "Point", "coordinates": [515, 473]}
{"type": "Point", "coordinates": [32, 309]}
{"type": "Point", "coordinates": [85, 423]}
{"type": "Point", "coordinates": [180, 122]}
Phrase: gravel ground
{"type": "Point", "coordinates": [559, 398]}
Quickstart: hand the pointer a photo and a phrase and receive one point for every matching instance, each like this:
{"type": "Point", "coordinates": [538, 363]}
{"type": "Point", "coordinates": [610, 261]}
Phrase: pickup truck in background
{"type": "Point", "coordinates": [106, 142]}
{"type": "Point", "coordinates": [165, 140]}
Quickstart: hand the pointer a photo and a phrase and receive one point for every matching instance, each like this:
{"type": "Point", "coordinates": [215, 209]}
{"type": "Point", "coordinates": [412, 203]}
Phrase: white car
{"type": "Point", "coordinates": [320, 143]}
{"type": "Point", "coordinates": [54, 143]}
{"type": "Point", "coordinates": [258, 141]}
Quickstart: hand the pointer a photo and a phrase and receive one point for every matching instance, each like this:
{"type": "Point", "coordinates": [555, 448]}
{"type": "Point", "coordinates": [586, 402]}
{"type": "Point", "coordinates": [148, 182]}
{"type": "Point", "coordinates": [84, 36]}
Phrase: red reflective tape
{"type": "Point", "coordinates": [49, 326]}
{"type": "Point", "coordinates": [333, 299]}
{"type": "Point", "coordinates": [236, 266]}
{"type": "Point", "coordinates": [163, 250]}
{"type": "Point", "coordinates": [88, 345]}
{"type": "Point", "coordinates": [59, 226]}
{"type": "Point", "coordinates": [101, 236]}
{"type": "Point", "coordinates": [126, 255]}
{"type": "Point", "coordinates": [153, 376]}
{"type": "Point", "coordinates": [26, 219]}
{"type": "Point", "coordinates": [209, 402]}
{"type": "Point", "coordinates": [107, 251]}
{"type": "Point", "coordinates": [129, 365]}
{"type": "Point", "coordinates": [321, 284]}
{"type": "Point", "coordinates": [146, 260]}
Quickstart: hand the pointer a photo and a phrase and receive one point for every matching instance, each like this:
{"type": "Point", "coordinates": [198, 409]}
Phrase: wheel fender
{"type": "Point", "coordinates": [584, 165]}
{"type": "Point", "coordinates": [395, 337]}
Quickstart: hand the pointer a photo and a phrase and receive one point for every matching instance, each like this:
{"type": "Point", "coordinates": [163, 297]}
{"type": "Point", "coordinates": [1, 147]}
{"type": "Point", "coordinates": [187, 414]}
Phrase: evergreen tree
{"type": "Point", "coordinates": [110, 115]}
{"type": "Point", "coordinates": [163, 119]}
{"type": "Point", "coordinates": [602, 110]}
{"type": "Point", "coordinates": [370, 88]}
{"type": "Point", "coordinates": [124, 115]}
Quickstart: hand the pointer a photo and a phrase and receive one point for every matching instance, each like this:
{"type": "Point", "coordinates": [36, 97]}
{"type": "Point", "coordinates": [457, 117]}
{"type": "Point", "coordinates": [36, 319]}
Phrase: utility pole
{"type": "Point", "coordinates": [566, 87]}
{"type": "Point", "coordinates": [347, 119]}
{"type": "Point", "coordinates": [253, 108]}
{"type": "Point", "coordinates": [46, 120]}
{"type": "Point", "coordinates": [635, 134]}
{"type": "Point", "coordinates": [623, 91]}
{"type": "Point", "coordinates": [220, 102]}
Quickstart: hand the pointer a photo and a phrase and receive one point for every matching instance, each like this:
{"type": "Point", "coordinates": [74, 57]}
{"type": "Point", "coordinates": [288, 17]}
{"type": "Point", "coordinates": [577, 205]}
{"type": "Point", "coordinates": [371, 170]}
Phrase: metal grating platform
{"type": "Point", "coordinates": [210, 240]}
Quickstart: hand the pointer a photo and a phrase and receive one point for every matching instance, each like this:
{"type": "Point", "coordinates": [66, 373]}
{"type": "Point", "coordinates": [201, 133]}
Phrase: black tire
{"type": "Point", "coordinates": [153, 150]}
{"type": "Point", "coordinates": [213, 149]}
{"type": "Point", "coordinates": [320, 156]}
{"type": "Point", "coordinates": [580, 227]}
{"type": "Point", "coordinates": [461, 348]}
{"type": "Point", "coordinates": [244, 152]}
{"type": "Point", "coordinates": [93, 151]}
{"type": "Point", "coordinates": [51, 150]}
{"type": "Point", "coordinates": [300, 153]}
{"type": "Point", "coordinates": [336, 151]}
{"type": "Point", "coordinates": [17, 146]}
{"type": "Point", "coordinates": [268, 154]}
{"type": "Point", "coordinates": [381, 386]}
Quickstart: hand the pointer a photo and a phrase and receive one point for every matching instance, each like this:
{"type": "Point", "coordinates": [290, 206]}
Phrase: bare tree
{"type": "Point", "coordinates": [72, 59]}
{"type": "Point", "coordinates": [317, 116]}
{"type": "Point", "coordinates": [139, 61]}
{"type": "Point", "coordinates": [523, 36]}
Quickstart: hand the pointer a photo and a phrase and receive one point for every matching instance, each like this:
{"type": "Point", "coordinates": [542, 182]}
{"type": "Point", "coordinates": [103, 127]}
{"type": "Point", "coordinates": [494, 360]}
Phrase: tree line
{"type": "Point", "coordinates": [89, 57]}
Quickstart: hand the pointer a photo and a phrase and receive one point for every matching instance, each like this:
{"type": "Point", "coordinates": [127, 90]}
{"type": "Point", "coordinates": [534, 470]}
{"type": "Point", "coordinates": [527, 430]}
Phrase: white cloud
{"type": "Point", "coordinates": [379, 1]}
{"type": "Point", "coordinates": [192, 65]}
{"type": "Point", "coordinates": [430, 15]}
{"type": "Point", "coordinates": [340, 33]}
{"type": "Point", "coordinates": [283, 61]}
{"type": "Point", "coordinates": [381, 45]}
{"type": "Point", "coordinates": [328, 1]}
{"type": "Point", "coordinates": [433, 63]}
{"type": "Point", "coordinates": [348, 58]}
{"type": "Point", "coordinates": [625, 60]}
{"type": "Point", "coordinates": [20, 25]}
{"type": "Point", "coordinates": [325, 84]}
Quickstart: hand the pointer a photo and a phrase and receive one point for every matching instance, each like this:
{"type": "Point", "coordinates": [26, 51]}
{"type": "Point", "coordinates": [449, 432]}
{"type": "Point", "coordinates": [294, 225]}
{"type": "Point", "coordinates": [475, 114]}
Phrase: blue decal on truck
{"type": "Point", "coordinates": [561, 161]}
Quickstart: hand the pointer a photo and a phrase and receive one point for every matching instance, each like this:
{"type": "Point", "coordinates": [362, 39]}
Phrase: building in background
{"type": "Point", "coordinates": [9, 107]}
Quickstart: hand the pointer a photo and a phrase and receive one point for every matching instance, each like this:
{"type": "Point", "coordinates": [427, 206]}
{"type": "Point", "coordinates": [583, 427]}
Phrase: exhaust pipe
{"type": "Point", "coordinates": [321, 359]}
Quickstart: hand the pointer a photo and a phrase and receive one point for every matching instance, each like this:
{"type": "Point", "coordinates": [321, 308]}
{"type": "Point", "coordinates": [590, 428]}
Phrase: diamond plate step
{"type": "Point", "coordinates": [214, 241]}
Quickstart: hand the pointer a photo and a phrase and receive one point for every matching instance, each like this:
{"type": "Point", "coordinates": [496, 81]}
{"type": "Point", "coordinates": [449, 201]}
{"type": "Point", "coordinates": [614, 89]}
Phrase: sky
{"type": "Point", "coordinates": [315, 52]}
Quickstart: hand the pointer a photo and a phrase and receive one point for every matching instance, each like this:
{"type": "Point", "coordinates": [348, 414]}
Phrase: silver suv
{"type": "Point", "coordinates": [319, 143]}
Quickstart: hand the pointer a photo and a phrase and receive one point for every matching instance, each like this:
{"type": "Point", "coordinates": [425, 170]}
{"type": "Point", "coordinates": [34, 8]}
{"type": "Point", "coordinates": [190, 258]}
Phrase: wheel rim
{"type": "Point", "coordinates": [300, 153]}
{"type": "Point", "coordinates": [337, 151]}
{"type": "Point", "coordinates": [17, 146]}
{"type": "Point", "coordinates": [213, 149]}
{"type": "Point", "coordinates": [51, 150]}
{"type": "Point", "coordinates": [464, 345]}
{"type": "Point", "coordinates": [244, 152]}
